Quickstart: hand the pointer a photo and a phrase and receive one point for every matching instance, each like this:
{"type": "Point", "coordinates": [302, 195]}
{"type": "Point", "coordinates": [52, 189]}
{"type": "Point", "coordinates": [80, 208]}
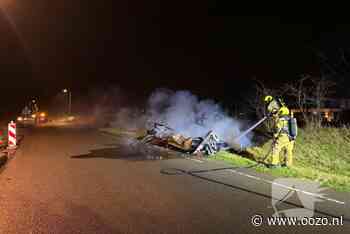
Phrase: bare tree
{"type": "Point", "coordinates": [310, 92]}
{"type": "Point", "coordinates": [301, 93]}
{"type": "Point", "coordinates": [322, 88]}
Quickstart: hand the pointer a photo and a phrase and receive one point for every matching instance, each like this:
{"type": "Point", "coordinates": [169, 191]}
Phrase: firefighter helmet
{"type": "Point", "coordinates": [268, 98]}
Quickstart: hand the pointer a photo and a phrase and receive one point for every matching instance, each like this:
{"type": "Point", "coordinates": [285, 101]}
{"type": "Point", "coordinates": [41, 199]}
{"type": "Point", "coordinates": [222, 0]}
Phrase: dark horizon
{"type": "Point", "coordinates": [140, 46]}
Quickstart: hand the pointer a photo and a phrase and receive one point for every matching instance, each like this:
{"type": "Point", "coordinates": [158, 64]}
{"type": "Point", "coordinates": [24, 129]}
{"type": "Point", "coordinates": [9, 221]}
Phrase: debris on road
{"type": "Point", "coordinates": [165, 136]}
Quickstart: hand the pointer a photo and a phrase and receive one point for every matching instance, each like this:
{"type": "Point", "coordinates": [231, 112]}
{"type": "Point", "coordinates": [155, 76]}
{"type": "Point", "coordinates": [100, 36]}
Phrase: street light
{"type": "Point", "coordinates": [69, 100]}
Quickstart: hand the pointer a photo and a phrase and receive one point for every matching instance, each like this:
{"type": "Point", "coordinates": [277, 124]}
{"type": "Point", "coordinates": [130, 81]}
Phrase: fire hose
{"type": "Point", "coordinates": [191, 172]}
{"type": "Point", "coordinates": [250, 129]}
{"type": "Point", "coordinates": [260, 162]}
{"type": "Point", "coordinates": [196, 174]}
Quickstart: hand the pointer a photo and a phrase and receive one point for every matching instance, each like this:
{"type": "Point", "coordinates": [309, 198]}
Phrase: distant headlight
{"type": "Point", "coordinates": [43, 114]}
{"type": "Point", "coordinates": [33, 115]}
{"type": "Point", "coordinates": [19, 119]}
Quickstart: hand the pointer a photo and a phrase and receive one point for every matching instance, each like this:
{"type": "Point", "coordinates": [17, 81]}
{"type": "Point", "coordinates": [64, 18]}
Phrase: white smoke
{"type": "Point", "coordinates": [192, 117]}
{"type": "Point", "coordinates": [131, 119]}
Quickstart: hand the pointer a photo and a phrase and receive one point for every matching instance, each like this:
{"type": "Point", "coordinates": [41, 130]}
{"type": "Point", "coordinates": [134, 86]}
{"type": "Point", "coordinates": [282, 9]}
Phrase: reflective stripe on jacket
{"type": "Point", "coordinates": [281, 126]}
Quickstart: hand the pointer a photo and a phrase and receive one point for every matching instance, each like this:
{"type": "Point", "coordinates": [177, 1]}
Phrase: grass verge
{"type": "Point", "coordinates": [321, 155]}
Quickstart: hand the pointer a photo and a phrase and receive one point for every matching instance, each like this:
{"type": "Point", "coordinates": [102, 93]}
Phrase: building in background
{"type": "Point", "coordinates": [334, 110]}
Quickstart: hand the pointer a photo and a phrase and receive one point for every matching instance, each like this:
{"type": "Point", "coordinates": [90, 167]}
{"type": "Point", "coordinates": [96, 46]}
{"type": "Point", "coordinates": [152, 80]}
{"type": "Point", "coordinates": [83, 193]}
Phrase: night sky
{"type": "Point", "coordinates": [142, 45]}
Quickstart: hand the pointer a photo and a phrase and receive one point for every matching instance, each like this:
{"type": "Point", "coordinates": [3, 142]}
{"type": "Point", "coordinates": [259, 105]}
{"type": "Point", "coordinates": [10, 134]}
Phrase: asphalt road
{"type": "Point", "coordinates": [66, 180]}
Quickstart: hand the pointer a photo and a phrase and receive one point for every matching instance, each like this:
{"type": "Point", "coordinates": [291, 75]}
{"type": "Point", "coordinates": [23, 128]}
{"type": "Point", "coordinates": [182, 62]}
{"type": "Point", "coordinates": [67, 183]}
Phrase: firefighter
{"type": "Point", "coordinates": [283, 137]}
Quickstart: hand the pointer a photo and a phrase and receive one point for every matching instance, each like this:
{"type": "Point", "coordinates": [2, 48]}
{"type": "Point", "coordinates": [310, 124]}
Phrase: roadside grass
{"type": "Point", "coordinates": [321, 155]}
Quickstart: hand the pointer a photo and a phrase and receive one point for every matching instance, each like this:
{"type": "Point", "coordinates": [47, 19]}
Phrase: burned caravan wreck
{"type": "Point", "coordinates": [162, 135]}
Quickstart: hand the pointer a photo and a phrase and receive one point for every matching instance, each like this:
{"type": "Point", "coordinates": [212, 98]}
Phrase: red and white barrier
{"type": "Point", "coordinates": [12, 135]}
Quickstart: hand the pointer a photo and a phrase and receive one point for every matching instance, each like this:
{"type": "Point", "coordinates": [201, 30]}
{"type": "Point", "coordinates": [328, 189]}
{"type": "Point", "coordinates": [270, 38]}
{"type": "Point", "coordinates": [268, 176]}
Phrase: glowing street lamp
{"type": "Point", "coordinates": [69, 100]}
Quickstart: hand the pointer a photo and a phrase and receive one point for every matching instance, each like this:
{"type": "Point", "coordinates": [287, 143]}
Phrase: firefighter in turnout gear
{"type": "Point", "coordinates": [285, 131]}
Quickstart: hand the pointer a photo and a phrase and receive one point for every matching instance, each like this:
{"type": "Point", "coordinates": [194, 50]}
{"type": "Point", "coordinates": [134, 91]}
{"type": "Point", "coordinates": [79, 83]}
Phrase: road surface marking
{"type": "Point", "coordinates": [196, 160]}
{"type": "Point", "coordinates": [287, 187]}
{"type": "Point", "coordinates": [280, 185]}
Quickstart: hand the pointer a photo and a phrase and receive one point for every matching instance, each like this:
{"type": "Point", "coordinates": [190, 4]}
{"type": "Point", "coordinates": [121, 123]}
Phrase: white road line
{"type": "Point", "coordinates": [196, 160]}
{"type": "Point", "coordinates": [278, 184]}
{"type": "Point", "coordinates": [287, 187]}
